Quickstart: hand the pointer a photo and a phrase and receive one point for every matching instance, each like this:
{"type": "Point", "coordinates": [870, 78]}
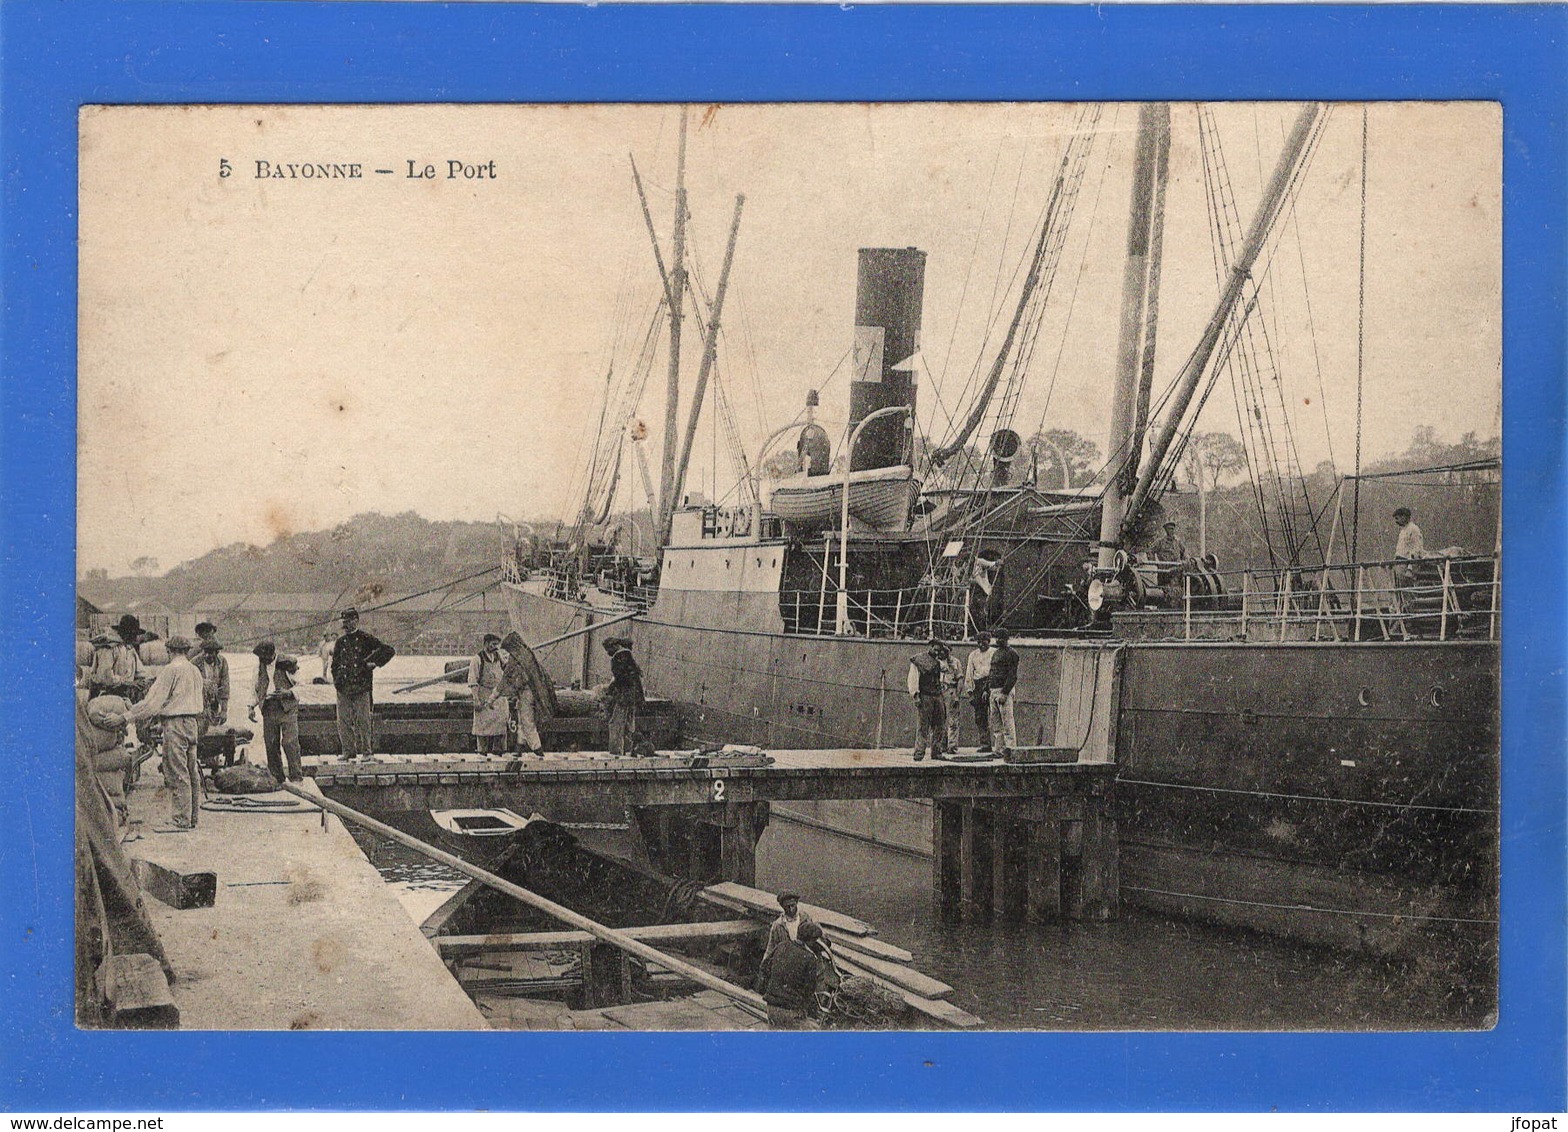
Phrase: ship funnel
{"type": "Point", "coordinates": [888, 298]}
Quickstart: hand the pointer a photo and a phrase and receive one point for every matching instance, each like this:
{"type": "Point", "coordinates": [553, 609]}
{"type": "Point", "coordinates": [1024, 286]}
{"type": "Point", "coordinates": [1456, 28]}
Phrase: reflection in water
{"type": "Point", "coordinates": [1142, 972]}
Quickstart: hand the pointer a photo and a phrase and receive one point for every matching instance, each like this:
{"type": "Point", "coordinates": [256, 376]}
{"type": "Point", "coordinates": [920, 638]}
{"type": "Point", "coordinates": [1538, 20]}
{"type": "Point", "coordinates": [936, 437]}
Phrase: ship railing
{"type": "Point", "coordinates": [917, 612]}
{"type": "Point", "coordinates": [570, 586]}
{"type": "Point", "coordinates": [1437, 598]}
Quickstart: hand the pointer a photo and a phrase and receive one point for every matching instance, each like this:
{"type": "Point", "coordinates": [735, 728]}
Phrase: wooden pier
{"type": "Point", "coordinates": [274, 920]}
{"type": "Point", "coordinates": [1032, 840]}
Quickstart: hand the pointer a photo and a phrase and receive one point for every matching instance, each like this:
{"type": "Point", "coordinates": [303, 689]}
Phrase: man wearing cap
{"type": "Point", "coordinates": [786, 925]}
{"type": "Point", "coordinates": [925, 688]}
{"type": "Point", "coordinates": [801, 969]}
{"type": "Point", "coordinates": [486, 674]}
{"type": "Point", "coordinates": [176, 699]}
{"type": "Point", "coordinates": [624, 695]}
{"type": "Point", "coordinates": [1170, 554]}
{"type": "Point", "coordinates": [1004, 676]}
{"type": "Point", "coordinates": [355, 659]}
{"type": "Point", "coordinates": [274, 694]}
{"type": "Point", "coordinates": [117, 668]}
{"type": "Point", "coordinates": [214, 668]}
{"type": "Point", "coordinates": [977, 679]}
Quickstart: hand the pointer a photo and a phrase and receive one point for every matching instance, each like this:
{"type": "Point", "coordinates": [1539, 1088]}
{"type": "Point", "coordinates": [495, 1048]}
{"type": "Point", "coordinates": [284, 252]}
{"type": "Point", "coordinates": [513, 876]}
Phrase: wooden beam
{"type": "Point", "coordinates": [868, 945]}
{"type": "Point", "coordinates": [176, 889]}
{"type": "Point", "coordinates": [705, 932]}
{"type": "Point", "coordinates": [935, 1008]}
{"type": "Point", "coordinates": [758, 900]}
{"type": "Point", "coordinates": [905, 977]}
{"type": "Point", "coordinates": [136, 993]}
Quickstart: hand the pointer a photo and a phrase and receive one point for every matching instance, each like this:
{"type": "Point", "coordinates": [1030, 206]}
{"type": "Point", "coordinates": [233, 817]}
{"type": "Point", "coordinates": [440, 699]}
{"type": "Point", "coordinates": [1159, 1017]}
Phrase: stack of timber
{"type": "Point", "coordinates": [856, 951]}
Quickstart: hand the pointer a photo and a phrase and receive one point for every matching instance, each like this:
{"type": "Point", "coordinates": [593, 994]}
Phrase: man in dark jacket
{"type": "Point", "coordinates": [925, 688]}
{"type": "Point", "coordinates": [624, 695]}
{"type": "Point", "coordinates": [797, 970]}
{"type": "Point", "coordinates": [1004, 676]}
{"type": "Point", "coordinates": [354, 661]}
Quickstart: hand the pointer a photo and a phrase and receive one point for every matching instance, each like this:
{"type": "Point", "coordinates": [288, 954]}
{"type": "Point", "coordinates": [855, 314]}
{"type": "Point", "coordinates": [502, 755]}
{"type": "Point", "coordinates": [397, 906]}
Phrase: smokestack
{"type": "Point", "coordinates": [888, 298]}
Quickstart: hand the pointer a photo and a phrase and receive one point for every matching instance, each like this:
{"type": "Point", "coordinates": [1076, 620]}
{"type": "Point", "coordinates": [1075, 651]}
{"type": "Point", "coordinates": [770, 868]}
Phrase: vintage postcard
{"type": "Point", "coordinates": [1012, 566]}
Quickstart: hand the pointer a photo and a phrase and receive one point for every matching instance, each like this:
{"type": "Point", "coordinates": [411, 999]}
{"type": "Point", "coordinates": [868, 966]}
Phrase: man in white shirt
{"type": "Point", "coordinates": [1410, 544]}
{"type": "Point", "coordinates": [977, 682]}
{"type": "Point", "coordinates": [176, 699]}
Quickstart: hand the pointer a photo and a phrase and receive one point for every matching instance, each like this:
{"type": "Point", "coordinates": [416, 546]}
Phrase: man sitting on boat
{"type": "Point", "coordinates": [786, 926]}
{"type": "Point", "coordinates": [798, 971]}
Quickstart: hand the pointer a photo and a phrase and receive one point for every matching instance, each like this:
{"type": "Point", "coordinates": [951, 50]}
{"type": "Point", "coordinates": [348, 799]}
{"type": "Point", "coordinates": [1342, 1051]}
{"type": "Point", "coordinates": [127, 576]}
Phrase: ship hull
{"type": "Point", "coordinates": [1342, 793]}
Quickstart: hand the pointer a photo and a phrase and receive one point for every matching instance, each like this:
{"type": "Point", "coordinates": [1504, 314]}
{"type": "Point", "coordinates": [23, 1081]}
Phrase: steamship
{"type": "Point", "coordinates": [1308, 748]}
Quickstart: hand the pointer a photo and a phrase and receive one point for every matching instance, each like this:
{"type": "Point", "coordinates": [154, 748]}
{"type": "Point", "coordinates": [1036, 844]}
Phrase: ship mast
{"type": "Point", "coordinates": [1129, 405]}
{"type": "Point", "coordinates": [1240, 272]}
{"type": "Point", "coordinates": [677, 296]}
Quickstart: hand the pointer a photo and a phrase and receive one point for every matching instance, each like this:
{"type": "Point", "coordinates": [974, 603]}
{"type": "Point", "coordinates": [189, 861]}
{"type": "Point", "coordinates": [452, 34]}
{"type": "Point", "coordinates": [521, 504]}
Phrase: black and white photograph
{"type": "Point", "coordinates": [785, 566]}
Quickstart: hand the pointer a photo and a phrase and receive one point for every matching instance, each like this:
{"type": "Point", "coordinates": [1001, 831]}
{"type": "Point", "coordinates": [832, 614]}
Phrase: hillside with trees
{"type": "Point", "coordinates": [1216, 500]}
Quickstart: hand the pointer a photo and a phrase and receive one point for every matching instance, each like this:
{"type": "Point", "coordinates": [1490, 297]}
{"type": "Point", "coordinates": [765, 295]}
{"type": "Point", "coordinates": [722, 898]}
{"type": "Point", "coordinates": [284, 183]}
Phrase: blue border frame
{"type": "Point", "coordinates": [57, 56]}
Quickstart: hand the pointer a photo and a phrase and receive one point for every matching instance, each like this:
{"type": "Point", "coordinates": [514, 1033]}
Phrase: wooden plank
{"type": "Point", "coordinates": [437, 920]}
{"type": "Point", "coordinates": [906, 978]}
{"type": "Point", "coordinates": [870, 945]}
{"type": "Point", "coordinates": [935, 1008]}
{"type": "Point", "coordinates": [945, 1012]}
{"type": "Point", "coordinates": [137, 993]}
{"type": "Point", "coordinates": [176, 889]}
{"type": "Point", "coordinates": [758, 900]}
{"type": "Point", "coordinates": [675, 1014]}
{"type": "Point", "coordinates": [704, 932]}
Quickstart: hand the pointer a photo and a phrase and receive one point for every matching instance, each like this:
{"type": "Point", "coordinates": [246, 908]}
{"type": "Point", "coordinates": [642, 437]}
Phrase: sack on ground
{"type": "Point", "coordinates": [243, 778]}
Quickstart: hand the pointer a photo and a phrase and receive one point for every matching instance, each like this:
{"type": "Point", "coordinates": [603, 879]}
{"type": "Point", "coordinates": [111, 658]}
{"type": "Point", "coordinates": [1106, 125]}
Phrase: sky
{"type": "Point", "coordinates": [261, 354]}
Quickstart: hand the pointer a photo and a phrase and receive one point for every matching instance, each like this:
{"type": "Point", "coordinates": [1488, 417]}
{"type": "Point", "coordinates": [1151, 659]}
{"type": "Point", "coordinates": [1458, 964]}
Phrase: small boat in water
{"type": "Point", "coordinates": [480, 823]}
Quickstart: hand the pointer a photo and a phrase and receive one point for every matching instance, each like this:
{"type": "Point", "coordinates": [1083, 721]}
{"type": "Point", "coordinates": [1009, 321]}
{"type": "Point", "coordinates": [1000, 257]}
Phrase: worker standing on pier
{"type": "Point", "coordinates": [215, 684]}
{"type": "Point", "coordinates": [355, 659]}
{"type": "Point", "coordinates": [176, 699]}
{"type": "Point", "coordinates": [324, 651]}
{"type": "Point", "coordinates": [492, 709]}
{"type": "Point", "coordinates": [117, 668]}
{"type": "Point", "coordinates": [279, 703]}
{"type": "Point", "coordinates": [952, 696]}
{"type": "Point", "coordinates": [1004, 677]}
{"type": "Point", "coordinates": [529, 691]}
{"type": "Point", "coordinates": [977, 682]}
{"type": "Point", "coordinates": [624, 695]}
{"type": "Point", "coordinates": [925, 688]}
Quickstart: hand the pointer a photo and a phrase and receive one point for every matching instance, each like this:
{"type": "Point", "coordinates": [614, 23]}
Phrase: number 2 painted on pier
{"type": "Point", "coordinates": [718, 789]}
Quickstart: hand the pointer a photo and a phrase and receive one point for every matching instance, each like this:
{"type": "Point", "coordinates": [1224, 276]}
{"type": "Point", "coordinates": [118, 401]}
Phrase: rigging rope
{"type": "Point", "coordinates": [1361, 321]}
